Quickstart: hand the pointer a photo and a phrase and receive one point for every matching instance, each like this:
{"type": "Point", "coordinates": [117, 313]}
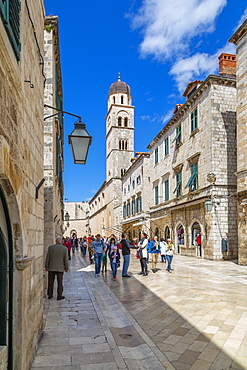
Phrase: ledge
{"type": "Point", "coordinates": [23, 262]}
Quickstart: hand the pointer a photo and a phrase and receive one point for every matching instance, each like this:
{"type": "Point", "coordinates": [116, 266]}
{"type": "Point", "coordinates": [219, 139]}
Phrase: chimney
{"type": "Point", "coordinates": [227, 64]}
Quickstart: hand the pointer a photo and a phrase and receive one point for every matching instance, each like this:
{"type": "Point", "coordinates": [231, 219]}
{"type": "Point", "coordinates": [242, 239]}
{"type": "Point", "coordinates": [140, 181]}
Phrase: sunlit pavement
{"type": "Point", "coordinates": [192, 318]}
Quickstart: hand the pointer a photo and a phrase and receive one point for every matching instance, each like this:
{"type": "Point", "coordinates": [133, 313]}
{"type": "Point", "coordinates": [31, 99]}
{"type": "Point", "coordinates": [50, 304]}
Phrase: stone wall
{"type": "Point", "coordinates": [21, 170]}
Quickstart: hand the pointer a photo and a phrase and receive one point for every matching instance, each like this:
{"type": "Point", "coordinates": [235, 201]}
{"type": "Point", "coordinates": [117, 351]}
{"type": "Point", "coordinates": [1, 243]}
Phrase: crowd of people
{"type": "Point", "coordinates": [101, 249]}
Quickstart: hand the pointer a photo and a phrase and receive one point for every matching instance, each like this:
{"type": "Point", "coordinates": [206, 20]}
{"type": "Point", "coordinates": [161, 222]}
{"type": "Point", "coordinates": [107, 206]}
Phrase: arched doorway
{"type": "Point", "coordinates": [167, 233]}
{"type": "Point", "coordinates": [196, 237]}
{"type": "Point", "coordinates": [156, 232]}
{"type": "Point", "coordinates": [180, 237]}
{"type": "Point", "coordinates": [6, 278]}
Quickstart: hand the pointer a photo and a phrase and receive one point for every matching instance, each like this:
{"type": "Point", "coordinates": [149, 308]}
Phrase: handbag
{"type": "Point", "coordinates": [139, 253]}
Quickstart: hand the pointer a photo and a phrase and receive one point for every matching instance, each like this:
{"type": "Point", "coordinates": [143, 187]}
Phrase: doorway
{"type": "Point", "coordinates": [180, 237]}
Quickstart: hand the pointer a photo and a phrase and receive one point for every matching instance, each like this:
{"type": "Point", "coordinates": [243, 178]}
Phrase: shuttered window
{"type": "Point", "coordinates": [10, 14]}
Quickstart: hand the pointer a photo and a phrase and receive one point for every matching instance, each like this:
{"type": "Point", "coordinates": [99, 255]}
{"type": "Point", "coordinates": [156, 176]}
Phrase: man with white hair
{"type": "Point", "coordinates": [56, 263]}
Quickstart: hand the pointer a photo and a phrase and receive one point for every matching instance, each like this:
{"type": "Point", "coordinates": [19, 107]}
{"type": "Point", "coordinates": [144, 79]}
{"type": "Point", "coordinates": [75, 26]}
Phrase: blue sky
{"type": "Point", "coordinates": [158, 46]}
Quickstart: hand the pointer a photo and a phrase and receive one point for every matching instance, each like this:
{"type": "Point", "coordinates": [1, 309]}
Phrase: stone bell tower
{"type": "Point", "coordinates": [119, 130]}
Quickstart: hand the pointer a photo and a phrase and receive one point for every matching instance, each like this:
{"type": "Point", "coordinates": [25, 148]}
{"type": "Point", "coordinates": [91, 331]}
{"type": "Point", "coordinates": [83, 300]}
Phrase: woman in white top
{"type": "Point", "coordinates": [143, 243]}
{"type": "Point", "coordinates": [163, 248]}
{"type": "Point", "coordinates": [169, 254]}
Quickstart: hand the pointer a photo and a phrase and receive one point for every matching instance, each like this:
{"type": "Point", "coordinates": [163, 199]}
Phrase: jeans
{"type": "Point", "coordinates": [169, 260]}
{"type": "Point", "coordinates": [83, 250]}
{"type": "Point", "coordinates": [144, 266]}
{"type": "Point", "coordinates": [97, 259]}
{"type": "Point", "coordinates": [114, 269]}
{"type": "Point", "coordinates": [126, 263]}
{"type": "Point", "coordinates": [163, 257]}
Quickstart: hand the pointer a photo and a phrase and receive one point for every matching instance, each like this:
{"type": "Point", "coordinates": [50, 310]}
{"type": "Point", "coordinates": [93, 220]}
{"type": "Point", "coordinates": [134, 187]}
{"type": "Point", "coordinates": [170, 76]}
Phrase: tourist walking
{"type": "Point", "coordinates": [83, 245]}
{"type": "Point", "coordinates": [142, 245]}
{"type": "Point", "coordinates": [169, 254]}
{"type": "Point", "coordinates": [163, 248]}
{"type": "Point", "coordinates": [115, 260]}
{"type": "Point", "coordinates": [104, 262]}
{"type": "Point", "coordinates": [98, 247]}
{"type": "Point", "coordinates": [56, 263]}
{"type": "Point", "coordinates": [154, 250]}
{"type": "Point", "coordinates": [112, 243]}
{"type": "Point", "coordinates": [126, 255]}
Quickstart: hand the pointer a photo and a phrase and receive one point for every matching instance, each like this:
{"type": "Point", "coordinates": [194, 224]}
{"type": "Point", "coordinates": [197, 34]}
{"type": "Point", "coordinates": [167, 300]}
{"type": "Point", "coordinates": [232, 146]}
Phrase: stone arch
{"type": "Point", "coordinates": [167, 233]}
{"type": "Point", "coordinates": [179, 236]}
{"type": "Point", "coordinates": [196, 229]}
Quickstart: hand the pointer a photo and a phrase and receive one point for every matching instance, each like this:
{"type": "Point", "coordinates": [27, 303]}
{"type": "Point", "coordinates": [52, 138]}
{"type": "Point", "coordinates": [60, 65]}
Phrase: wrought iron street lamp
{"type": "Point", "coordinates": [79, 139]}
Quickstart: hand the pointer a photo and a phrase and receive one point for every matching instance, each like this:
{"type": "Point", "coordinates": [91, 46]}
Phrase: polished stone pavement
{"type": "Point", "coordinates": [193, 318]}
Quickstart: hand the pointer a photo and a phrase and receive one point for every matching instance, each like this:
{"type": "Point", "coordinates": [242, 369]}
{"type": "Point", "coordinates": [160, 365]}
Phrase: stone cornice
{"type": "Point", "coordinates": [239, 34]}
{"type": "Point", "coordinates": [119, 127]}
{"type": "Point", "coordinates": [221, 80]}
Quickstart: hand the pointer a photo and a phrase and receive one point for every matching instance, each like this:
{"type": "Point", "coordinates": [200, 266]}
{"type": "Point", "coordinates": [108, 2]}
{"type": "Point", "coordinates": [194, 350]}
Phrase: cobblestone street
{"type": "Point", "coordinates": [193, 318]}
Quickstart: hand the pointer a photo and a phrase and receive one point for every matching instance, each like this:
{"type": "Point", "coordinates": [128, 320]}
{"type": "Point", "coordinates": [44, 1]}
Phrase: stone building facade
{"type": "Point", "coordinates": [76, 219]}
{"type": "Point", "coordinates": [21, 172]}
{"type": "Point", "coordinates": [193, 160]}
{"type": "Point", "coordinates": [136, 203]}
{"type": "Point", "coordinates": [106, 205]}
{"type": "Point", "coordinates": [240, 40]}
{"type": "Point", "coordinates": [53, 135]}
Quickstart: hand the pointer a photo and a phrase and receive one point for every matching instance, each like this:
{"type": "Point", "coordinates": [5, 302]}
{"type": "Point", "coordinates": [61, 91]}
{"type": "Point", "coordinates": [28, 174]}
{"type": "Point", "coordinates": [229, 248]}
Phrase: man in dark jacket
{"type": "Point", "coordinates": [56, 263]}
{"type": "Point", "coordinates": [126, 254]}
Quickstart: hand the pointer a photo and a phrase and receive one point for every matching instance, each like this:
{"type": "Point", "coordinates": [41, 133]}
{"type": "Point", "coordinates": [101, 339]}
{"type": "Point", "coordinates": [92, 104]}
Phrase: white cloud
{"type": "Point", "coordinates": [167, 116]}
{"type": "Point", "coordinates": [241, 20]}
{"type": "Point", "coordinates": [200, 64]}
{"type": "Point", "coordinates": [169, 25]}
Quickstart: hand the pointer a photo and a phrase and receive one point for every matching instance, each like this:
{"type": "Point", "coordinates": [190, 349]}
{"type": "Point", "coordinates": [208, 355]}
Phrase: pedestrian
{"type": "Point", "coordinates": [126, 255]}
{"type": "Point", "coordinates": [56, 263]}
{"type": "Point", "coordinates": [112, 243]}
{"type": "Point", "coordinates": [163, 248]}
{"type": "Point", "coordinates": [115, 260]}
{"type": "Point", "coordinates": [83, 245]}
{"type": "Point", "coordinates": [104, 263]}
{"type": "Point", "coordinates": [154, 249]}
{"type": "Point", "coordinates": [98, 247]}
{"type": "Point", "coordinates": [69, 246]}
{"type": "Point", "coordinates": [142, 245]}
{"type": "Point", "coordinates": [169, 254]}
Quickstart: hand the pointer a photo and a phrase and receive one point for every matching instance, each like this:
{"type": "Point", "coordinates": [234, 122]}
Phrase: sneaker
{"type": "Point", "coordinates": [126, 276]}
{"type": "Point", "coordinates": [140, 273]}
{"type": "Point", "coordinates": [114, 278]}
{"type": "Point", "coordinates": [146, 274]}
{"type": "Point", "coordinates": [154, 270]}
{"type": "Point", "coordinates": [50, 296]}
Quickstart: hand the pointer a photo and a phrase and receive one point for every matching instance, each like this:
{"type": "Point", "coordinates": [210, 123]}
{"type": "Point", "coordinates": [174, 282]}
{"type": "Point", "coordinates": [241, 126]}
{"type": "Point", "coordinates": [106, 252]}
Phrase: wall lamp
{"type": "Point", "coordinates": [79, 139]}
{"type": "Point", "coordinates": [208, 205]}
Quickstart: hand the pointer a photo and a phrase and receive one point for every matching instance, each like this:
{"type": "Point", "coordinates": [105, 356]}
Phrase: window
{"type": "Point", "coordinates": [124, 191]}
{"type": "Point", "coordinates": [128, 187]}
{"type": "Point", "coordinates": [126, 145]}
{"type": "Point", "coordinates": [178, 137]}
{"type": "Point", "coordinates": [178, 189]}
{"type": "Point", "coordinates": [166, 146]}
{"type": "Point", "coordinates": [133, 207]}
{"type": "Point", "coordinates": [128, 209]}
{"type": "Point", "coordinates": [138, 179]}
{"type": "Point", "coordinates": [119, 121]}
{"type": "Point", "coordinates": [126, 122]}
{"type": "Point", "coordinates": [193, 180]}
{"type": "Point", "coordinates": [133, 183]}
{"type": "Point", "coordinates": [193, 120]}
{"type": "Point", "coordinates": [10, 13]}
{"type": "Point", "coordinates": [114, 100]}
{"type": "Point", "coordinates": [122, 99]}
{"type": "Point", "coordinates": [139, 204]}
{"type": "Point", "coordinates": [156, 155]}
{"type": "Point", "coordinates": [124, 211]}
{"type": "Point", "coordinates": [156, 195]}
{"type": "Point", "coordinates": [166, 189]}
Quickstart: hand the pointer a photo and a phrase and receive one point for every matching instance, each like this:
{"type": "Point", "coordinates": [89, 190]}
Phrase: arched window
{"type": "Point", "coordinates": [119, 145]}
{"type": "Point", "coordinates": [122, 172]}
{"type": "Point", "coordinates": [119, 121]}
{"type": "Point", "coordinates": [122, 99]}
{"type": "Point", "coordinates": [196, 238]}
{"type": "Point", "coordinates": [125, 145]}
{"type": "Point", "coordinates": [114, 100]}
{"type": "Point", "coordinates": [180, 237]}
{"type": "Point", "coordinates": [156, 232]}
{"type": "Point", "coordinates": [167, 233]}
{"type": "Point", "coordinates": [126, 122]}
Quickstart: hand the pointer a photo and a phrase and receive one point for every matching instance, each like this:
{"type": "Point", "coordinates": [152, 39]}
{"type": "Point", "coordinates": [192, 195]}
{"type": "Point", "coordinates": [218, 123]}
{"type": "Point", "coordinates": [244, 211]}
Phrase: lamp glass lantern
{"type": "Point", "coordinates": [208, 205]}
{"type": "Point", "coordinates": [79, 141]}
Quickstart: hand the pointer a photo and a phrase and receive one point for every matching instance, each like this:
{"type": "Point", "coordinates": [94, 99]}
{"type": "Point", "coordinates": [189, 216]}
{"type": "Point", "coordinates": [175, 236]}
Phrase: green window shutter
{"type": "Point", "coordinates": [156, 156]}
{"type": "Point", "coordinates": [156, 195]}
{"type": "Point", "coordinates": [166, 190]}
{"type": "Point", "coordinates": [166, 146]}
{"type": "Point", "coordinates": [10, 14]}
{"type": "Point", "coordinates": [193, 180]}
{"type": "Point", "coordinates": [178, 189]}
{"type": "Point", "coordinates": [193, 120]}
{"type": "Point", "coordinates": [178, 137]}
{"type": "Point", "coordinates": [133, 206]}
{"type": "Point", "coordinates": [140, 203]}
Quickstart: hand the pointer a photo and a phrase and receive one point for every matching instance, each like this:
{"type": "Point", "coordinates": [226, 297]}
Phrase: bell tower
{"type": "Point", "coordinates": [119, 130]}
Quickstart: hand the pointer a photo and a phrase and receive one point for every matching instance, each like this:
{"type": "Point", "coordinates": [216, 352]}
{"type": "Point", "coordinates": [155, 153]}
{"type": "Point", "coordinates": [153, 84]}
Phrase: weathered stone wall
{"type": "Point", "coordinates": [21, 170]}
{"type": "Point", "coordinates": [240, 40]}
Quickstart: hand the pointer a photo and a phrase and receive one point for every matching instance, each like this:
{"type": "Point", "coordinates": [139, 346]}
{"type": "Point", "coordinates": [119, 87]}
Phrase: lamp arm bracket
{"type": "Point", "coordinates": [61, 111]}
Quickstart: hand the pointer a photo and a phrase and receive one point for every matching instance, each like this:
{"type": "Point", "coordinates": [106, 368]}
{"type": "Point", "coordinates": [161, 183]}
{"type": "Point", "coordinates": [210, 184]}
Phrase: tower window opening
{"type": "Point", "coordinates": [126, 145]}
{"type": "Point", "coordinates": [122, 99]}
{"type": "Point", "coordinates": [114, 100]}
{"type": "Point", "coordinates": [119, 121]}
{"type": "Point", "coordinates": [126, 122]}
